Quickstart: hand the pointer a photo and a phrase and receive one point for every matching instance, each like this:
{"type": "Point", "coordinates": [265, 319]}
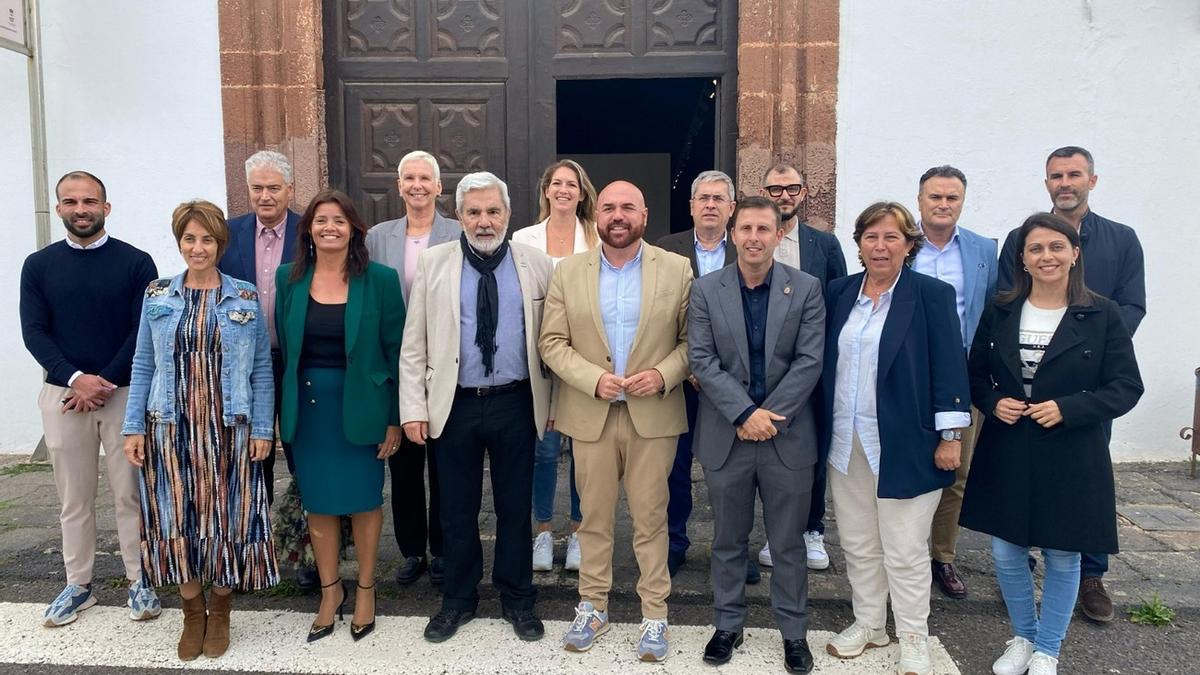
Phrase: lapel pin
{"type": "Point", "coordinates": [787, 290]}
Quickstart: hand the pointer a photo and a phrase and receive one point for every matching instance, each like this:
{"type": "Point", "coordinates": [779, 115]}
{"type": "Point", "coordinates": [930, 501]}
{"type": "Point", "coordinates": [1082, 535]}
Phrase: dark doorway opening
{"type": "Point", "coordinates": [660, 133]}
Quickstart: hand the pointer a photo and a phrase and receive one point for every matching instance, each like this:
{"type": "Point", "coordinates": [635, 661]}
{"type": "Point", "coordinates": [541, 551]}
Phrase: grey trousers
{"type": "Point", "coordinates": [755, 468]}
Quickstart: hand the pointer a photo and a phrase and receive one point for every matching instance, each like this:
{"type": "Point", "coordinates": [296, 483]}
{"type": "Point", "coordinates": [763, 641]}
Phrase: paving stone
{"type": "Point", "coordinates": [1156, 517]}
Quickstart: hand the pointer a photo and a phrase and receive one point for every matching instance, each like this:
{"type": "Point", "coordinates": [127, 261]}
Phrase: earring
{"type": "Point", "coordinates": [1073, 262]}
{"type": "Point", "coordinates": [1026, 268]}
{"type": "Point", "coordinates": [312, 251]}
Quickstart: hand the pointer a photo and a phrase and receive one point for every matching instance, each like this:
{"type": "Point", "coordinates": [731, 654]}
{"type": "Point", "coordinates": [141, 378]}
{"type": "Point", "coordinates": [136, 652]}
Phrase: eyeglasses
{"type": "Point", "coordinates": [716, 199]}
{"type": "Point", "coordinates": [777, 190]}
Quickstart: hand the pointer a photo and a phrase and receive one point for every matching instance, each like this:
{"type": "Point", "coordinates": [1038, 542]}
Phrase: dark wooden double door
{"type": "Point", "coordinates": [473, 82]}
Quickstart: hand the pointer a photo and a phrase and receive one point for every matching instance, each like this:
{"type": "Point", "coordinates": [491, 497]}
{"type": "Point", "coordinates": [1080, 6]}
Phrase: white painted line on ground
{"type": "Point", "coordinates": [274, 641]}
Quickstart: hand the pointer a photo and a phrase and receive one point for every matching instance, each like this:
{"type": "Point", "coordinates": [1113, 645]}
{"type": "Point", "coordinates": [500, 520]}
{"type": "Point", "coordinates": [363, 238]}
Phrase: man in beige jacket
{"type": "Point", "coordinates": [620, 348]}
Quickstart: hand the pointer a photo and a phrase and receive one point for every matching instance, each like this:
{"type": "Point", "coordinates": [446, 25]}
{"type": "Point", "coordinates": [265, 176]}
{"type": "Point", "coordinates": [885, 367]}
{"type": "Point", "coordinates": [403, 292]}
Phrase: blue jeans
{"type": "Point", "coordinates": [1058, 593]}
{"type": "Point", "coordinates": [545, 478]}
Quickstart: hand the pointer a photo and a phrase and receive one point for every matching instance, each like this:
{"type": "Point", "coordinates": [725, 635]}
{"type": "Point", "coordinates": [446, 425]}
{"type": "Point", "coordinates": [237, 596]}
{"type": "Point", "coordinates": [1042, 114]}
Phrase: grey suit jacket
{"type": "Point", "coordinates": [385, 241]}
{"type": "Point", "coordinates": [719, 355]}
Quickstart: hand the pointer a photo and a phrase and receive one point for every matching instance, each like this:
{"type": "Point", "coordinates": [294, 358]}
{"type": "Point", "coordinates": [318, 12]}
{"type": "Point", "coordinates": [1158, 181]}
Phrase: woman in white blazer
{"type": "Point", "coordinates": [566, 215]}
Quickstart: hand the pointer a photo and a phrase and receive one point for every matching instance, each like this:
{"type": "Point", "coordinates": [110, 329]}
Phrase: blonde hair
{"type": "Point", "coordinates": [585, 211]}
{"type": "Point", "coordinates": [209, 215]}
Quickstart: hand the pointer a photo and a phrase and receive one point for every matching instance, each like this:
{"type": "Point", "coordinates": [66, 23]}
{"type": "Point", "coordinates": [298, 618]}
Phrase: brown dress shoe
{"type": "Point", "coordinates": [1094, 600]}
{"type": "Point", "coordinates": [947, 579]}
{"type": "Point", "coordinates": [216, 634]}
{"type": "Point", "coordinates": [192, 640]}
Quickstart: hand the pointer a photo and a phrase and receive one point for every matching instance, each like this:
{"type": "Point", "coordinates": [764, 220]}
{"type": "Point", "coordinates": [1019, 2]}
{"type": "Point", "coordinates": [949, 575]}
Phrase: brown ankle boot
{"type": "Point", "coordinates": [216, 635]}
{"type": "Point", "coordinates": [193, 628]}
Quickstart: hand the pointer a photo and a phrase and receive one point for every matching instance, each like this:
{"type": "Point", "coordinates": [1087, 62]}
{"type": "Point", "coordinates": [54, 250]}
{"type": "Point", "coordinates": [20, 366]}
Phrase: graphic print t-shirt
{"type": "Point", "coordinates": [1037, 329]}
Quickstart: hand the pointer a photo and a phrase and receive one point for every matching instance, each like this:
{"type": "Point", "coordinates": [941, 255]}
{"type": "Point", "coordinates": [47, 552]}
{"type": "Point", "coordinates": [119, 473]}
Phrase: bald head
{"type": "Point", "coordinates": [621, 215]}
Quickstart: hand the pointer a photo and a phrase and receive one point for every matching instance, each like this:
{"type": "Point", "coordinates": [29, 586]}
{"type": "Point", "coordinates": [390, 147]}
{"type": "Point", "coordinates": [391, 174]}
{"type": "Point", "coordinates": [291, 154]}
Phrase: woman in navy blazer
{"type": "Point", "coordinates": [895, 398]}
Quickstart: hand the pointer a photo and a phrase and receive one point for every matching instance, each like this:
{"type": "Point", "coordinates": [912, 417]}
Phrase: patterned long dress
{"type": "Point", "coordinates": [204, 502]}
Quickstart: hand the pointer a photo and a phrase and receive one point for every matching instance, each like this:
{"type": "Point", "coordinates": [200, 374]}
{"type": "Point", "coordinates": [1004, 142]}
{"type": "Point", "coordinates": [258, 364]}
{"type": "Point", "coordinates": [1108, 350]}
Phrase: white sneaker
{"type": "Point", "coordinates": [914, 655]}
{"type": "Point", "coordinates": [1043, 664]}
{"type": "Point", "coordinates": [543, 552]}
{"type": "Point", "coordinates": [814, 544]}
{"type": "Point", "coordinates": [764, 556]}
{"type": "Point", "coordinates": [856, 639]}
{"type": "Point", "coordinates": [574, 555]}
{"type": "Point", "coordinates": [1015, 659]}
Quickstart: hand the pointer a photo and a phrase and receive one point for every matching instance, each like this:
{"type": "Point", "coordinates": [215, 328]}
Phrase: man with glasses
{"type": "Point", "coordinates": [819, 254]}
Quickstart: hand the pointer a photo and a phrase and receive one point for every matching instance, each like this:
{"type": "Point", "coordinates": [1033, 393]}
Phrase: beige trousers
{"type": "Point", "coordinates": [944, 535]}
{"type": "Point", "coordinates": [886, 542]}
{"type": "Point", "coordinates": [73, 440]}
{"type": "Point", "coordinates": [621, 457]}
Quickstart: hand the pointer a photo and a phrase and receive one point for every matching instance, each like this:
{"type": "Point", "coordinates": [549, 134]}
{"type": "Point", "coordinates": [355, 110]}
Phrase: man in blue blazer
{"type": "Point", "coordinates": [966, 261]}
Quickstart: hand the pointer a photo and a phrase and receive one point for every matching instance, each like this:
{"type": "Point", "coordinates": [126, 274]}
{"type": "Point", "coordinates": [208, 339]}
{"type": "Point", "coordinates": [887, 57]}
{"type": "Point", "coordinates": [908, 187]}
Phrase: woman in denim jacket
{"type": "Point", "coordinates": [197, 424]}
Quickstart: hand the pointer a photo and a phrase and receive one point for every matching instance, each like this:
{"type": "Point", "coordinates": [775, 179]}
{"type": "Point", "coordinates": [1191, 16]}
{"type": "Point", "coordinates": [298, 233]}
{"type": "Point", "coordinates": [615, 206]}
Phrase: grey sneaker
{"type": "Point", "coordinates": [653, 644]}
{"type": "Point", "coordinates": [143, 602]}
{"type": "Point", "coordinates": [588, 625]}
{"type": "Point", "coordinates": [66, 607]}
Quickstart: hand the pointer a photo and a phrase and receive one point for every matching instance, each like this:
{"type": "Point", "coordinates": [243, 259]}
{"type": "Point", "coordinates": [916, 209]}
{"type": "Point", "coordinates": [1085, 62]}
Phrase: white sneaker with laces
{"type": "Point", "coordinates": [814, 545]}
{"type": "Point", "coordinates": [1043, 664]}
{"type": "Point", "coordinates": [914, 655]}
{"type": "Point", "coordinates": [764, 556]}
{"type": "Point", "coordinates": [856, 639]}
{"type": "Point", "coordinates": [543, 552]}
{"type": "Point", "coordinates": [1015, 659]}
{"type": "Point", "coordinates": [574, 555]}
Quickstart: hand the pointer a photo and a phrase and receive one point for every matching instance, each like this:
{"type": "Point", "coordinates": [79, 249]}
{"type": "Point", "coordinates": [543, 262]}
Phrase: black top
{"type": "Point", "coordinates": [324, 344]}
{"type": "Point", "coordinates": [80, 309]}
{"type": "Point", "coordinates": [754, 311]}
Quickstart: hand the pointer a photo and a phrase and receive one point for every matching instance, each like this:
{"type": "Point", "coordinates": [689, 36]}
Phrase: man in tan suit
{"type": "Point", "coordinates": [620, 348]}
{"type": "Point", "coordinates": [471, 380]}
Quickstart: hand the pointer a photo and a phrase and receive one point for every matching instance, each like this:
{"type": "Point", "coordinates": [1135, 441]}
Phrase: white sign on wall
{"type": "Point", "coordinates": [12, 23]}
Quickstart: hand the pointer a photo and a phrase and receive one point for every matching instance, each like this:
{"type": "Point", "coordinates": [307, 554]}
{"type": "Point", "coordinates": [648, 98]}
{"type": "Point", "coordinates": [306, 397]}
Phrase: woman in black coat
{"type": "Point", "coordinates": [1051, 363]}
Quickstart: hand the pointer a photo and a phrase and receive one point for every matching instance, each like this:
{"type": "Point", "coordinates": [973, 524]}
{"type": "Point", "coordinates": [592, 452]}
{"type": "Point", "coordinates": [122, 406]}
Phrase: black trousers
{"type": "Point", "coordinates": [269, 462]}
{"type": "Point", "coordinates": [500, 424]}
{"type": "Point", "coordinates": [414, 527]}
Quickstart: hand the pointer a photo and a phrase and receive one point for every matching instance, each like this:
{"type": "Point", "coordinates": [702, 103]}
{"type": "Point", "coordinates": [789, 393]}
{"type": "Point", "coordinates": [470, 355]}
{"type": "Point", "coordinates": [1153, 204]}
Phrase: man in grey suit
{"type": "Point", "coordinates": [397, 244]}
{"type": "Point", "coordinates": [755, 343]}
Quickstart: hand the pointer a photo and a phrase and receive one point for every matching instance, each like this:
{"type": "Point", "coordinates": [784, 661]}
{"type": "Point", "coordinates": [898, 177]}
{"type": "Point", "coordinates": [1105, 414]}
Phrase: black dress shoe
{"type": "Point", "coordinates": [753, 576]}
{"type": "Point", "coordinates": [796, 656]}
{"type": "Point", "coordinates": [675, 560]}
{"type": "Point", "coordinates": [411, 569]}
{"type": "Point", "coordinates": [720, 646]}
{"type": "Point", "coordinates": [525, 624]}
{"type": "Point", "coordinates": [437, 571]}
{"type": "Point", "coordinates": [445, 624]}
{"type": "Point", "coordinates": [307, 578]}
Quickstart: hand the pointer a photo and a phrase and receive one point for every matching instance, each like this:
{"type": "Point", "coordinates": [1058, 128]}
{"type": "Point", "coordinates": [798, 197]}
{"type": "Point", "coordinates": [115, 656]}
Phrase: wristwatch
{"type": "Point", "coordinates": [951, 434]}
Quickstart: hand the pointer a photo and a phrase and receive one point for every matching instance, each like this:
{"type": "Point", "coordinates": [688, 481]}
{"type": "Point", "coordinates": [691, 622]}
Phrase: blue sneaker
{"type": "Point", "coordinates": [653, 644]}
{"type": "Point", "coordinates": [143, 602]}
{"type": "Point", "coordinates": [67, 606]}
{"type": "Point", "coordinates": [588, 625]}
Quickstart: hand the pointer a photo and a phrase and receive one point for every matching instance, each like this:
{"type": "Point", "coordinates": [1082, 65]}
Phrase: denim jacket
{"type": "Point", "coordinates": [247, 384]}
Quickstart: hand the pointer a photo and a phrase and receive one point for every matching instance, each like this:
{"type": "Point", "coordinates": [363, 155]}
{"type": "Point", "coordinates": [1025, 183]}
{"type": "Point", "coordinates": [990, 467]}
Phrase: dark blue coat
{"type": "Point", "coordinates": [922, 371]}
{"type": "Point", "coordinates": [238, 261]}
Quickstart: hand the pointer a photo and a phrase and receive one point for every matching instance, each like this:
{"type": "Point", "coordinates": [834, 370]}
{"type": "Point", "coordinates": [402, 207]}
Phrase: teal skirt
{"type": "Point", "coordinates": [335, 476]}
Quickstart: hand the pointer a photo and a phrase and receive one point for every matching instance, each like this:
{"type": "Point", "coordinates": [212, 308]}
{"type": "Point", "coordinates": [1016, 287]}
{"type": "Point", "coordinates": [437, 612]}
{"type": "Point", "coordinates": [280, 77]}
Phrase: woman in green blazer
{"type": "Point", "coordinates": [340, 319]}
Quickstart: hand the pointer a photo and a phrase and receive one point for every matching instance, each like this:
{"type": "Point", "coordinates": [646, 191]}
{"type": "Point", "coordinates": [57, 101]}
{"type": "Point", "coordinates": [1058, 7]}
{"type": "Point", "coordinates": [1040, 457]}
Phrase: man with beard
{"type": "Point", "coordinates": [1113, 267]}
{"type": "Point", "coordinates": [81, 301]}
{"type": "Point", "coordinates": [818, 253]}
{"type": "Point", "coordinates": [620, 348]}
{"type": "Point", "coordinates": [471, 381]}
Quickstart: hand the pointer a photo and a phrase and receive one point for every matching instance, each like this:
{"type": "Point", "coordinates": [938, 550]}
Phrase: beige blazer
{"type": "Point", "coordinates": [574, 344]}
{"type": "Point", "coordinates": [429, 353]}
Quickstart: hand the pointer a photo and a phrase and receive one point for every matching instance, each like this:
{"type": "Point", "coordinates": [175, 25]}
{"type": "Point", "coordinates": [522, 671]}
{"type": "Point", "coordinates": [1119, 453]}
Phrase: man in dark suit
{"type": "Point", "coordinates": [707, 246]}
{"type": "Point", "coordinates": [819, 254]}
{"type": "Point", "coordinates": [755, 344]}
{"type": "Point", "coordinates": [259, 242]}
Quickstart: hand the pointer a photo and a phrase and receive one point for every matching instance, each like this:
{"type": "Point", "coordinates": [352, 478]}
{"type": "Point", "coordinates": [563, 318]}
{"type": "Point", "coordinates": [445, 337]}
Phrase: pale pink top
{"type": "Point", "coordinates": [412, 248]}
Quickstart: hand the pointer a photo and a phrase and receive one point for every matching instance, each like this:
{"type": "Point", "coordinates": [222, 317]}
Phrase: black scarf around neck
{"type": "Point", "coordinates": [487, 299]}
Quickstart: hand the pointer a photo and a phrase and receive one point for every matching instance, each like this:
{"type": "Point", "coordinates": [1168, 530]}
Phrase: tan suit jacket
{"type": "Point", "coordinates": [574, 344]}
{"type": "Point", "coordinates": [429, 353]}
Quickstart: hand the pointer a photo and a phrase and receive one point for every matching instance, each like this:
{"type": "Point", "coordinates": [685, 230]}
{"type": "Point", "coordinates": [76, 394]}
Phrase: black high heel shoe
{"type": "Point", "coordinates": [318, 631]}
{"type": "Point", "coordinates": [359, 632]}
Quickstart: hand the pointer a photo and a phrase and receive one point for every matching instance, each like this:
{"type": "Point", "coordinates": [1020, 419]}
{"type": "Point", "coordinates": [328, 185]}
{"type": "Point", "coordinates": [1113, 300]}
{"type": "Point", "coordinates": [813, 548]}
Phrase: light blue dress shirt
{"type": "Point", "coordinates": [710, 261]}
{"type": "Point", "coordinates": [511, 362]}
{"type": "Point", "coordinates": [854, 404]}
{"type": "Point", "coordinates": [947, 264]}
{"type": "Point", "coordinates": [620, 308]}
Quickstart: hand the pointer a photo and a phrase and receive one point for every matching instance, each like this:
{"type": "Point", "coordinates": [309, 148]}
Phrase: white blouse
{"type": "Point", "coordinates": [535, 236]}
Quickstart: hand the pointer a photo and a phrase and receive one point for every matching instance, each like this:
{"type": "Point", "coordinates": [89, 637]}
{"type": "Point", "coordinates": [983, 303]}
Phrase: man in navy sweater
{"type": "Point", "coordinates": [81, 301]}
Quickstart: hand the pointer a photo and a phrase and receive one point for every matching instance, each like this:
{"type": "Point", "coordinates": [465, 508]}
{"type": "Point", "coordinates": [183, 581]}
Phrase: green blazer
{"type": "Point", "coordinates": [374, 328]}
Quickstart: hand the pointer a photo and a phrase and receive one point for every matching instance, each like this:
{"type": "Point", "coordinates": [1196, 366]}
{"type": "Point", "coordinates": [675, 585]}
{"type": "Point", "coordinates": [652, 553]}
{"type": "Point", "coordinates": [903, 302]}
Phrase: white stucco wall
{"type": "Point", "coordinates": [992, 88]}
{"type": "Point", "coordinates": [133, 95]}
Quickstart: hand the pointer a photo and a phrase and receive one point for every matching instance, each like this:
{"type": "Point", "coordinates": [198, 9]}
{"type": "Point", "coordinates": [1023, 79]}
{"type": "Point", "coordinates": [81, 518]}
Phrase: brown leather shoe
{"type": "Point", "coordinates": [947, 579]}
{"type": "Point", "coordinates": [192, 639]}
{"type": "Point", "coordinates": [1094, 601]}
{"type": "Point", "coordinates": [216, 634]}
